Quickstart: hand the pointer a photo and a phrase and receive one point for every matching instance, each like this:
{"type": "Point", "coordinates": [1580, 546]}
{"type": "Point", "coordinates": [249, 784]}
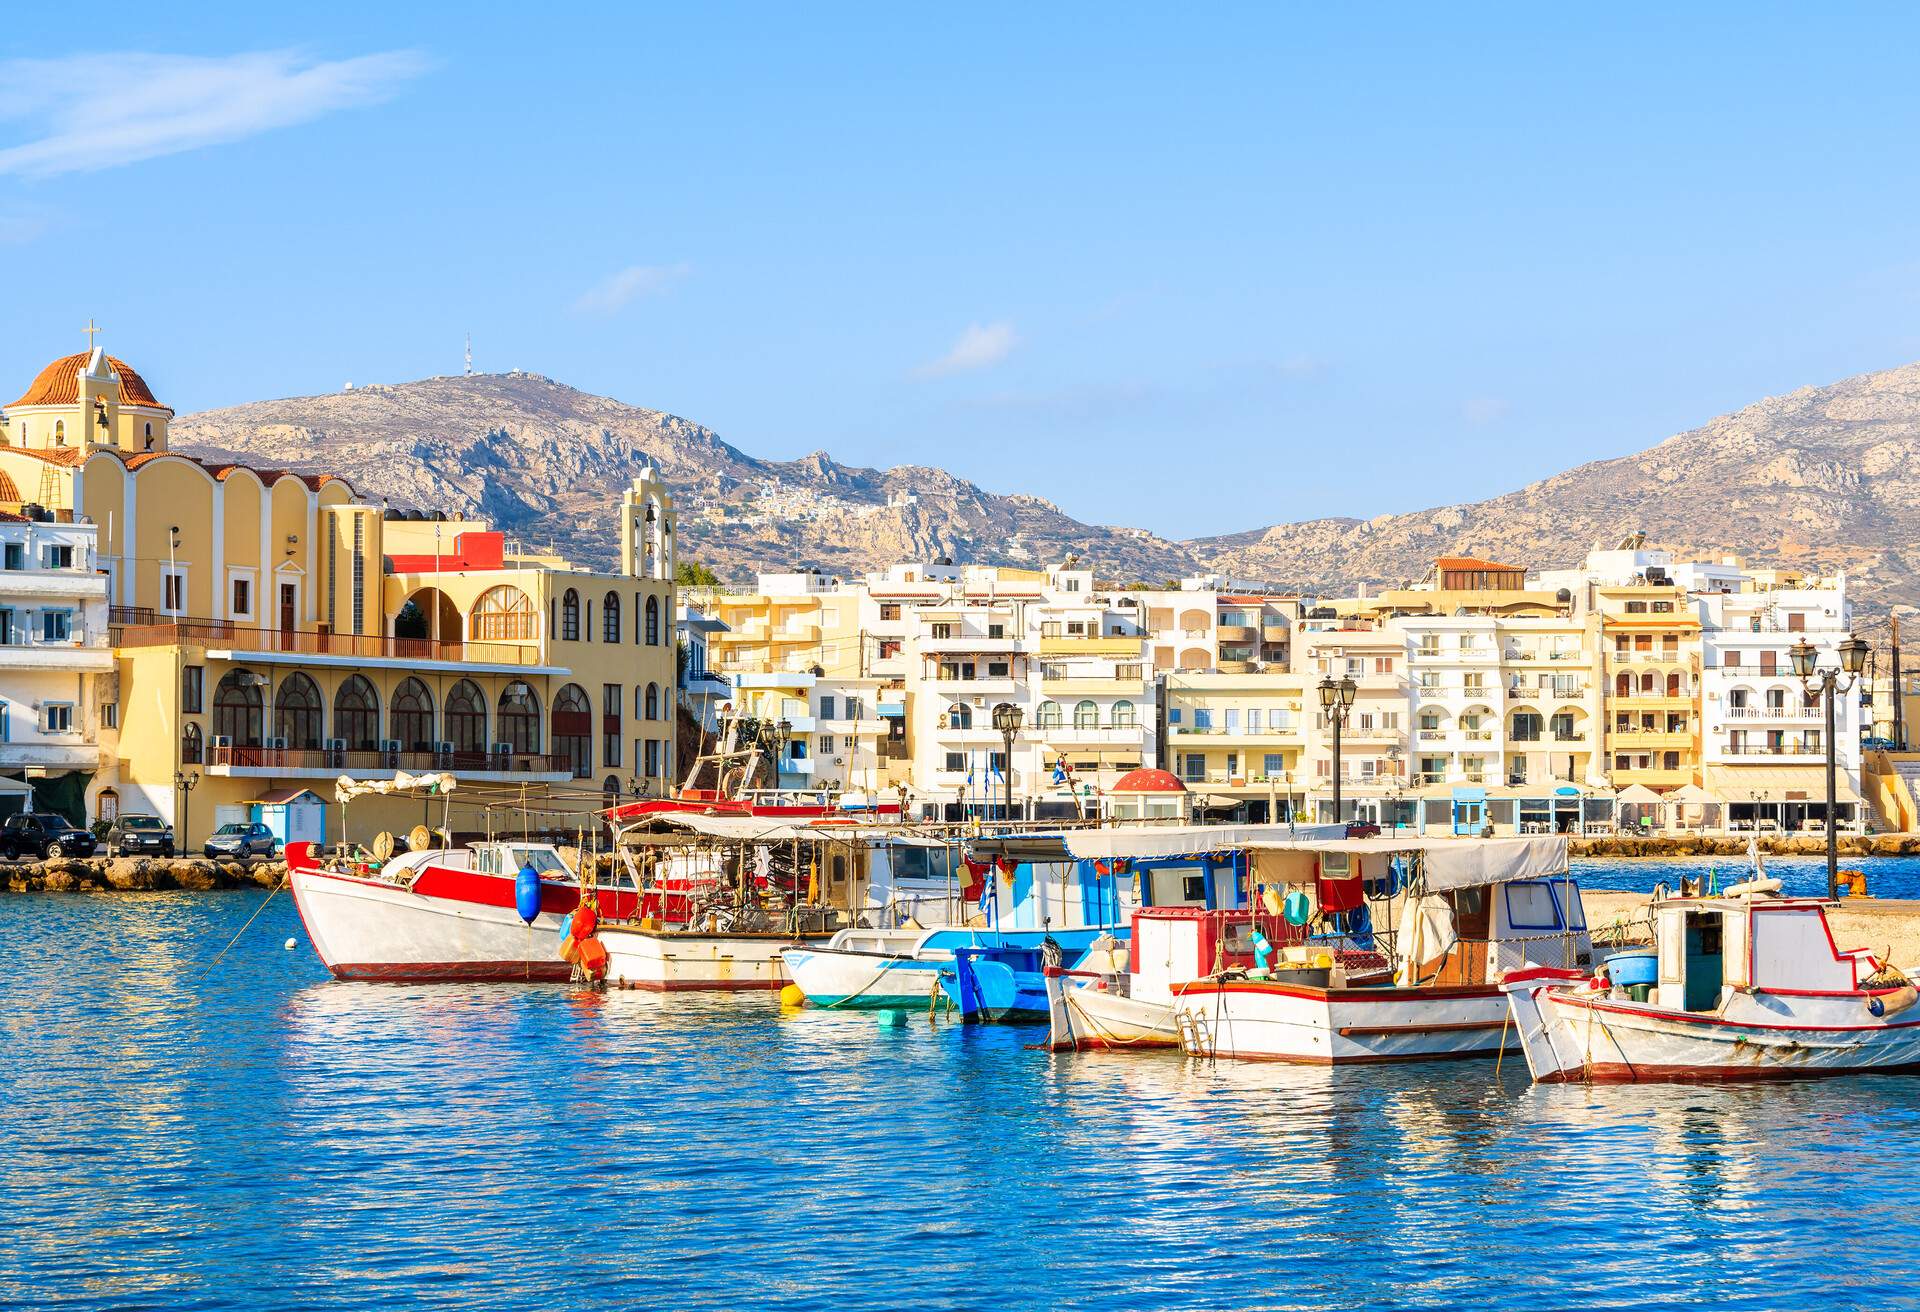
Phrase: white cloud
{"type": "Point", "coordinates": [617, 290]}
{"type": "Point", "coordinates": [1484, 409]}
{"type": "Point", "coordinates": [98, 111]}
{"type": "Point", "coordinates": [979, 346]}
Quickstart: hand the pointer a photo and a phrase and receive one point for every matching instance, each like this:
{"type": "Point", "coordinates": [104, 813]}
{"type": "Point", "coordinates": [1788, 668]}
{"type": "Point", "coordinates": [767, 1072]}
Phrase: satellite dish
{"type": "Point", "coordinates": [382, 846]}
{"type": "Point", "coordinates": [419, 838]}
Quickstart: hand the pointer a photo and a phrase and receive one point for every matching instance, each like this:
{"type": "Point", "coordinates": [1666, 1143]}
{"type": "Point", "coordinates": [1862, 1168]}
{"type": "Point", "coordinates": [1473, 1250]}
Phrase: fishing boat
{"type": "Point", "coordinates": [1747, 985]}
{"type": "Point", "coordinates": [1469, 911]}
{"type": "Point", "coordinates": [1130, 999]}
{"type": "Point", "coordinates": [441, 913]}
{"type": "Point", "coordinates": [869, 969]}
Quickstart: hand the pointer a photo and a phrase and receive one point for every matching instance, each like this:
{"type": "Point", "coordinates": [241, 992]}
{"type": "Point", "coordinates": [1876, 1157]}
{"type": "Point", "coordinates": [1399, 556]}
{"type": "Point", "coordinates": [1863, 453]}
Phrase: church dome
{"type": "Point", "coordinates": [59, 383]}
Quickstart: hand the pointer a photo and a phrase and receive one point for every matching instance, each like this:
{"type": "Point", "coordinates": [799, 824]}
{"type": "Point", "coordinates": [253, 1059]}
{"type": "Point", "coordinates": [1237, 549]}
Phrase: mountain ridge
{"type": "Point", "coordinates": [1825, 476]}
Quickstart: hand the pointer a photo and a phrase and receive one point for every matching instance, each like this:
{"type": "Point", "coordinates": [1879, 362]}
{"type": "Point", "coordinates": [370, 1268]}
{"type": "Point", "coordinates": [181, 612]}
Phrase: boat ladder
{"type": "Point", "coordinates": [1196, 1037]}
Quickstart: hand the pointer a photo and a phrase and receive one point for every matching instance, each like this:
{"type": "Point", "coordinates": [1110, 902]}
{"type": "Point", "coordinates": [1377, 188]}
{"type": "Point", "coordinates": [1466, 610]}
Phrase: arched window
{"type": "Point", "coordinates": [356, 714]}
{"type": "Point", "coordinates": [503, 614]}
{"type": "Point", "coordinates": [960, 716]}
{"type": "Point", "coordinates": [467, 717]}
{"type": "Point", "coordinates": [573, 729]}
{"type": "Point", "coordinates": [610, 617]}
{"type": "Point", "coordinates": [59, 433]}
{"type": "Point", "coordinates": [1086, 715]}
{"type": "Point", "coordinates": [1123, 715]}
{"type": "Point", "coordinates": [1561, 725]}
{"type": "Point", "coordinates": [653, 621]}
{"type": "Point", "coordinates": [570, 616]}
{"type": "Point", "coordinates": [192, 746]}
{"type": "Point", "coordinates": [410, 717]}
{"type": "Point", "coordinates": [1048, 716]}
{"type": "Point", "coordinates": [238, 708]}
{"type": "Point", "coordinates": [611, 785]}
{"type": "Point", "coordinates": [519, 717]}
{"type": "Point", "coordinates": [653, 701]}
{"type": "Point", "coordinates": [296, 712]}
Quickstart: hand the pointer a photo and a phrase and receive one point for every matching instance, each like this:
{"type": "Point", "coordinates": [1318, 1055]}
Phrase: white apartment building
{"type": "Point", "coordinates": [1764, 745]}
{"type": "Point", "coordinates": [59, 713]}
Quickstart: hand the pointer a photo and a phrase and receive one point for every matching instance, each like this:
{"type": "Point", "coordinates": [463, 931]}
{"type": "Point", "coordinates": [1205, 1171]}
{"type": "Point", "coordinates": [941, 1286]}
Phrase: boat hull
{"type": "Point", "coordinates": [369, 930]}
{"type": "Point", "coordinates": [1568, 1034]}
{"type": "Point", "coordinates": [672, 961]}
{"type": "Point", "coordinates": [832, 978]}
{"type": "Point", "coordinates": [1255, 1020]}
{"type": "Point", "coordinates": [1087, 1017]}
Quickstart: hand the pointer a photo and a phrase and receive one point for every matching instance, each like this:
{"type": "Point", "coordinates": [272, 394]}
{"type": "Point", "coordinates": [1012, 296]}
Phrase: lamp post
{"type": "Point", "coordinates": [1007, 718]}
{"type": "Point", "coordinates": [1336, 702]}
{"type": "Point", "coordinates": [1830, 683]}
{"type": "Point", "coordinates": [184, 781]}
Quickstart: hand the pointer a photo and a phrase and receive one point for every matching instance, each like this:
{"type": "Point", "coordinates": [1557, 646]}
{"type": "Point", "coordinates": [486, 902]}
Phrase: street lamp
{"type": "Point", "coordinates": [1336, 703]}
{"type": "Point", "coordinates": [1006, 718]}
{"type": "Point", "coordinates": [782, 736]}
{"type": "Point", "coordinates": [1829, 683]}
{"type": "Point", "coordinates": [184, 781]}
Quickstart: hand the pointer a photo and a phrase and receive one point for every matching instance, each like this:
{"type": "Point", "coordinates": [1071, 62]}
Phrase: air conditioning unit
{"type": "Point", "coordinates": [221, 740]}
{"type": "Point", "coordinates": [443, 749]}
{"type": "Point", "coordinates": [336, 744]}
{"type": "Point", "coordinates": [503, 749]}
{"type": "Point", "coordinates": [277, 744]}
{"type": "Point", "coordinates": [839, 760]}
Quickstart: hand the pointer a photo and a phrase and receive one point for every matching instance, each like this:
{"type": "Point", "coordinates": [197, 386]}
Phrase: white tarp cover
{"type": "Point", "coordinates": [765, 829]}
{"type": "Point", "coordinates": [1455, 862]}
{"type": "Point", "coordinates": [346, 788]}
{"type": "Point", "coordinates": [1184, 840]}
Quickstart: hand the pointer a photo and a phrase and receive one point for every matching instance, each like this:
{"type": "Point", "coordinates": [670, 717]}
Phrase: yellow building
{"type": "Point", "coordinates": [1238, 740]}
{"type": "Point", "coordinates": [1650, 635]}
{"type": "Point", "coordinates": [273, 633]}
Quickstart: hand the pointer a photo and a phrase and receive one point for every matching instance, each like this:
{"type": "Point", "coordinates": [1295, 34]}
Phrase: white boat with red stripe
{"type": "Point", "coordinates": [440, 914]}
{"type": "Point", "coordinates": [1742, 987]}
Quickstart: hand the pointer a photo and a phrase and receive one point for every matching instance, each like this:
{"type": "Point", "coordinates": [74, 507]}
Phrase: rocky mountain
{"type": "Point", "coordinates": [1823, 476]}
{"type": "Point", "coordinates": [1826, 476]}
{"type": "Point", "coordinates": [543, 460]}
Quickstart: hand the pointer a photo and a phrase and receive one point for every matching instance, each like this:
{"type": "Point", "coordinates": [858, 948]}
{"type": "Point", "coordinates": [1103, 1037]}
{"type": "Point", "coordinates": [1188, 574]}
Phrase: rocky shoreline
{"type": "Point", "coordinates": [1672, 845]}
{"type": "Point", "coordinates": [129, 874]}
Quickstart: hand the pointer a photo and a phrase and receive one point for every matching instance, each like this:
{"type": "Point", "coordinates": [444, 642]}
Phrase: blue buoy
{"type": "Point", "coordinates": [526, 893]}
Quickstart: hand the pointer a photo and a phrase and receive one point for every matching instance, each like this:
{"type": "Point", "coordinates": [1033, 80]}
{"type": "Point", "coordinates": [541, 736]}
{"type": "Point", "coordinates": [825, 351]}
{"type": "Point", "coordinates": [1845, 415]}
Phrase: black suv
{"type": "Point", "coordinates": [133, 835]}
{"type": "Point", "coordinates": [42, 834]}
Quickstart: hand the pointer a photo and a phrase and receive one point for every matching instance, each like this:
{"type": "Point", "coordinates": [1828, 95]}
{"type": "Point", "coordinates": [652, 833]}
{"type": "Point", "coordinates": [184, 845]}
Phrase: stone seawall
{"type": "Point", "coordinates": [1669, 845]}
{"type": "Point", "coordinates": [128, 874]}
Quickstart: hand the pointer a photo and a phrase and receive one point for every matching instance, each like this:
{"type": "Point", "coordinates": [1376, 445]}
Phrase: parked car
{"type": "Point", "coordinates": [140, 835]}
{"type": "Point", "coordinates": [43, 834]}
{"type": "Point", "coordinates": [1879, 745]}
{"type": "Point", "coordinates": [241, 839]}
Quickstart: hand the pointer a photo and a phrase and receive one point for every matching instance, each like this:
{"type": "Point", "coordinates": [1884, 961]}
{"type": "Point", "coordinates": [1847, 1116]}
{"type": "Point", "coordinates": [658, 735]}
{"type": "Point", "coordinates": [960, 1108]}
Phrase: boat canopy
{"type": "Point", "coordinates": [766, 829]}
{"type": "Point", "coordinates": [346, 787]}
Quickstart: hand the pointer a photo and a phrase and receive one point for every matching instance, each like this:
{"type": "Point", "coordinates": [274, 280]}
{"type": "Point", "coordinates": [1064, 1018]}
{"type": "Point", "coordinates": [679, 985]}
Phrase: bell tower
{"type": "Point", "coordinates": [647, 528]}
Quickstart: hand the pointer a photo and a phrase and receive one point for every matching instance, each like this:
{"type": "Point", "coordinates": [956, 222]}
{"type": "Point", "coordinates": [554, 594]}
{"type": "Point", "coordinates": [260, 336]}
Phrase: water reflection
{"type": "Point", "coordinates": [264, 1136]}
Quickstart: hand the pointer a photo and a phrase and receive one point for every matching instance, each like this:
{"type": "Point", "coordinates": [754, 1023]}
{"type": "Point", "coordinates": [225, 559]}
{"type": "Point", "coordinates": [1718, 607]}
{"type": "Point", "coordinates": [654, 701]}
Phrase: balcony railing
{"type": "Point", "coordinates": [1785, 749]}
{"type": "Point", "coordinates": [1773, 712]}
{"type": "Point", "coordinates": [319, 642]}
{"type": "Point", "coordinates": [297, 758]}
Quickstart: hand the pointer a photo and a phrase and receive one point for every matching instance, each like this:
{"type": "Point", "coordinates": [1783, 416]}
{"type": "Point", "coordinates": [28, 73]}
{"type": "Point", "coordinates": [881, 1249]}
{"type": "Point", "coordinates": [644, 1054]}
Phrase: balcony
{"type": "Point", "coordinates": [965, 643]}
{"type": "Point", "coordinates": [1112, 645]}
{"type": "Point", "coordinates": [1276, 632]}
{"type": "Point", "coordinates": [1652, 777]}
{"type": "Point", "coordinates": [1107, 736]}
{"type": "Point", "coordinates": [1802, 750]}
{"type": "Point", "coordinates": [309, 646]}
{"type": "Point", "coordinates": [1288, 736]}
{"type": "Point", "coordinates": [789, 634]}
{"type": "Point", "coordinates": [41, 654]}
{"type": "Point", "coordinates": [856, 728]}
{"type": "Point", "coordinates": [1773, 712]}
{"type": "Point", "coordinates": [49, 756]}
{"type": "Point", "coordinates": [1238, 633]}
{"type": "Point", "coordinates": [295, 763]}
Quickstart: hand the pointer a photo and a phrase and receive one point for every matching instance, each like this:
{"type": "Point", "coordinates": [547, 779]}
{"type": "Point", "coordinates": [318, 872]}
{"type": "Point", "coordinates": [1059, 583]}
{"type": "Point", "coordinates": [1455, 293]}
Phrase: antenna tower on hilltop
{"type": "Point", "coordinates": [469, 355]}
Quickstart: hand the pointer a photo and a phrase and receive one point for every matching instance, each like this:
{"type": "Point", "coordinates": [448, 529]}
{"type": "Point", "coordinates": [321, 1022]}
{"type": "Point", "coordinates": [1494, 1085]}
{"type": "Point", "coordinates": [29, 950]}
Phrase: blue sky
{"type": "Point", "coordinates": [1197, 271]}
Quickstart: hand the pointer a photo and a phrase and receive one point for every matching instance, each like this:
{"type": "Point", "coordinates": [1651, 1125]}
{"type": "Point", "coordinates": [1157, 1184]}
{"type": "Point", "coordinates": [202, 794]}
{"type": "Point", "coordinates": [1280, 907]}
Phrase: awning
{"type": "Point", "coordinates": [1639, 795]}
{"type": "Point", "coordinates": [282, 796]}
{"type": "Point", "coordinates": [764, 829]}
{"type": "Point", "coordinates": [15, 787]}
{"type": "Point", "coordinates": [1777, 783]}
{"type": "Point", "coordinates": [1185, 840]}
{"type": "Point", "coordinates": [1691, 795]}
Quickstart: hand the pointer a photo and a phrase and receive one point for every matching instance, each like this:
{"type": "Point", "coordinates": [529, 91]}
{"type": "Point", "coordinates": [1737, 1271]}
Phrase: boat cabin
{"type": "Point", "coordinates": [1171, 946]}
{"type": "Point", "coordinates": [1477, 935]}
{"type": "Point", "coordinates": [1710, 947]}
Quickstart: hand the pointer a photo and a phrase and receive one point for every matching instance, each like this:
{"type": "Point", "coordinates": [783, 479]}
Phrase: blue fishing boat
{"type": "Point", "coordinates": [866, 969]}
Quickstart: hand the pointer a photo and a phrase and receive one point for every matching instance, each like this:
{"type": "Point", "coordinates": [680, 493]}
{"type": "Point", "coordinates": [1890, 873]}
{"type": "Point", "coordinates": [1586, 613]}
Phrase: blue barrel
{"type": "Point", "coordinates": [526, 893]}
{"type": "Point", "coordinates": [1639, 966]}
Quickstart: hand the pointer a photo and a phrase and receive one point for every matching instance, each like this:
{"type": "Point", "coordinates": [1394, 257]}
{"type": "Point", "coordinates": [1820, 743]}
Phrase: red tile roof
{"type": "Point", "coordinates": [59, 383]}
{"type": "Point", "coordinates": [1472, 562]}
{"type": "Point", "coordinates": [9, 490]}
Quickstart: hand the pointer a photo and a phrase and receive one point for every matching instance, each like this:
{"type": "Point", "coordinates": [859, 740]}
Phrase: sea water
{"type": "Point", "coordinates": [251, 1134]}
